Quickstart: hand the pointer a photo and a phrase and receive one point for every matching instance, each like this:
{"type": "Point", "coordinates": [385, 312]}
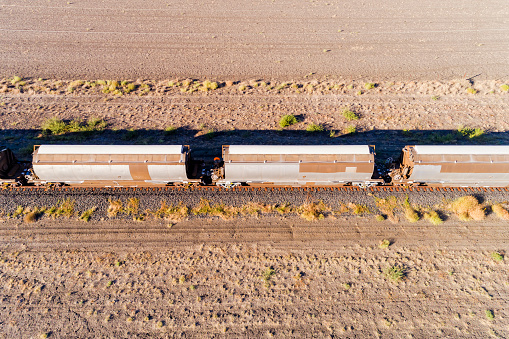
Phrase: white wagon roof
{"type": "Point", "coordinates": [426, 149]}
{"type": "Point", "coordinates": [110, 149]}
{"type": "Point", "coordinates": [299, 149]}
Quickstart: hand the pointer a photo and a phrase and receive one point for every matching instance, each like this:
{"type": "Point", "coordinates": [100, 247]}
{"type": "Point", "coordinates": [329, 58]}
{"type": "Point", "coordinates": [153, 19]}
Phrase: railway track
{"type": "Point", "coordinates": [114, 189]}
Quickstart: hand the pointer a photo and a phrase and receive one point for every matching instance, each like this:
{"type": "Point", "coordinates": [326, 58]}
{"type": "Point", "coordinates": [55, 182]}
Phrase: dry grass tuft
{"type": "Point", "coordinates": [133, 206]}
{"type": "Point", "coordinates": [467, 208]}
{"type": "Point", "coordinates": [172, 213]}
{"type": "Point", "coordinates": [500, 211]}
{"type": "Point", "coordinates": [115, 207]}
{"type": "Point", "coordinates": [410, 213]}
{"type": "Point", "coordinates": [30, 217]}
{"type": "Point", "coordinates": [433, 217]}
{"type": "Point", "coordinates": [387, 207]}
{"type": "Point", "coordinates": [357, 208]}
{"type": "Point", "coordinates": [312, 211]}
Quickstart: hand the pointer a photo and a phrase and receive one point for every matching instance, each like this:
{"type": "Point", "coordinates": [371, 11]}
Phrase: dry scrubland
{"type": "Point", "coordinates": [256, 290]}
{"type": "Point", "coordinates": [450, 280]}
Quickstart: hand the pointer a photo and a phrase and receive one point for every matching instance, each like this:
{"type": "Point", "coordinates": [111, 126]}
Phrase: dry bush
{"type": "Point", "coordinates": [114, 208]}
{"type": "Point", "coordinates": [312, 211]}
{"type": "Point", "coordinates": [357, 208]}
{"type": "Point", "coordinates": [133, 206]}
{"type": "Point", "coordinates": [467, 208]}
{"type": "Point", "coordinates": [30, 217]}
{"type": "Point", "coordinates": [500, 211]}
{"type": "Point", "coordinates": [170, 212]}
{"type": "Point", "coordinates": [217, 210]}
{"type": "Point", "coordinates": [256, 208]}
{"type": "Point", "coordinates": [387, 207]}
{"type": "Point", "coordinates": [410, 213]}
{"type": "Point", "coordinates": [433, 217]}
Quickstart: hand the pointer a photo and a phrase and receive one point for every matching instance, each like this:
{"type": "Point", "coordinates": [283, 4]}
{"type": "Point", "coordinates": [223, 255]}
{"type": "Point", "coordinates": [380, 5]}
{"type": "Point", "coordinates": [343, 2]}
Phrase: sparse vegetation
{"type": "Point", "coordinates": [433, 217]}
{"type": "Point", "coordinates": [314, 128]}
{"type": "Point", "coordinates": [114, 208]}
{"type": "Point", "coordinates": [504, 88]}
{"type": "Point", "coordinates": [369, 85]}
{"type": "Point", "coordinates": [170, 130]}
{"type": "Point", "coordinates": [470, 132]}
{"type": "Point", "coordinates": [63, 208]}
{"type": "Point", "coordinates": [410, 213]}
{"type": "Point", "coordinates": [395, 273]}
{"type": "Point", "coordinates": [55, 127]}
{"type": "Point", "coordinates": [497, 256]}
{"type": "Point", "coordinates": [471, 90]}
{"type": "Point", "coordinates": [312, 211]}
{"type": "Point", "coordinates": [287, 120]}
{"type": "Point", "coordinates": [349, 115]}
{"type": "Point", "coordinates": [267, 276]}
{"type": "Point", "coordinates": [500, 211]}
{"type": "Point", "coordinates": [467, 208]}
{"type": "Point", "coordinates": [490, 315]}
{"type": "Point", "coordinates": [350, 130]}
{"type": "Point", "coordinates": [384, 244]}
{"type": "Point", "coordinates": [85, 216]}
{"type": "Point", "coordinates": [379, 217]}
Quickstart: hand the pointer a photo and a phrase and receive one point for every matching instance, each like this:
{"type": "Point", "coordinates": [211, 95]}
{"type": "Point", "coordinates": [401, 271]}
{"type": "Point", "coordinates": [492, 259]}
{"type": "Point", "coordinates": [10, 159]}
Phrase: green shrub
{"type": "Point", "coordinates": [497, 256]}
{"type": "Point", "coordinates": [170, 130]}
{"type": "Point", "coordinates": [287, 120]}
{"type": "Point", "coordinates": [369, 85]}
{"type": "Point", "coordinates": [314, 128]}
{"type": "Point", "coordinates": [504, 88]}
{"type": "Point", "coordinates": [349, 115]}
{"type": "Point", "coordinates": [395, 273]}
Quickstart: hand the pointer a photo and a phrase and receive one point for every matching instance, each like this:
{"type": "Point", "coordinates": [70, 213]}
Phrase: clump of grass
{"type": "Point", "coordinates": [133, 206]}
{"type": "Point", "coordinates": [16, 79]}
{"type": "Point", "coordinates": [170, 130]}
{"type": "Point", "coordinates": [267, 276]}
{"type": "Point", "coordinates": [357, 208]}
{"type": "Point", "coordinates": [172, 213]}
{"type": "Point", "coordinates": [410, 213]}
{"type": "Point", "coordinates": [497, 256]}
{"type": "Point", "coordinates": [65, 208]}
{"type": "Point", "coordinates": [369, 85]}
{"type": "Point", "coordinates": [384, 244]}
{"type": "Point", "coordinates": [349, 115]}
{"type": "Point", "coordinates": [114, 208]}
{"type": "Point", "coordinates": [490, 315]}
{"type": "Point", "coordinates": [19, 210]}
{"type": "Point", "coordinates": [312, 211]}
{"type": "Point", "coordinates": [470, 132]}
{"type": "Point", "coordinates": [379, 217]}
{"type": "Point", "coordinates": [32, 215]}
{"type": "Point", "coordinates": [131, 134]}
{"type": "Point", "coordinates": [467, 208]}
{"type": "Point", "coordinates": [504, 88]}
{"type": "Point", "coordinates": [314, 128]}
{"type": "Point", "coordinates": [85, 216]}
{"type": "Point", "coordinates": [54, 126]}
{"type": "Point", "coordinates": [387, 207]}
{"type": "Point", "coordinates": [350, 130]}
{"type": "Point", "coordinates": [347, 286]}
{"type": "Point", "coordinates": [287, 120]}
{"type": "Point", "coordinates": [471, 90]}
{"type": "Point", "coordinates": [435, 97]}
{"type": "Point", "coordinates": [433, 217]}
{"type": "Point", "coordinates": [218, 210]}
{"type": "Point", "coordinates": [500, 211]}
{"type": "Point", "coordinates": [395, 273]}
{"type": "Point", "coordinates": [208, 85]}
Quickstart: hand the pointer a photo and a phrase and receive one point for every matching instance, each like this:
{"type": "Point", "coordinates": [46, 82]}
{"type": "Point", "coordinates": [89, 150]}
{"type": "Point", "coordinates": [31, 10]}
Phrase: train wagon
{"type": "Point", "coordinates": [113, 165]}
{"type": "Point", "coordinates": [454, 165]}
{"type": "Point", "coordinates": [297, 165]}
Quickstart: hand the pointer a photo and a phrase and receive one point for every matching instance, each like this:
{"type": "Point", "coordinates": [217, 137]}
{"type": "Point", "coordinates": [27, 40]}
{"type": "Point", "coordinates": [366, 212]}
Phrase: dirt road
{"type": "Point", "coordinates": [283, 39]}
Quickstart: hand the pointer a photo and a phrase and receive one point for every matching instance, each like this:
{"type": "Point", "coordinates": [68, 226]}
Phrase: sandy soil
{"type": "Point", "coordinates": [285, 39]}
{"type": "Point", "coordinates": [141, 286]}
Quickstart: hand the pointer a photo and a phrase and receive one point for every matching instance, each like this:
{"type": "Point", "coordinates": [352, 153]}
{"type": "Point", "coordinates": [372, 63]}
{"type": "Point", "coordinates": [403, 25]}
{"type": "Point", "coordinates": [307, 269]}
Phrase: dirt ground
{"type": "Point", "coordinates": [253, 278]}
{"type": "Point", "coordinates": [284, 39]}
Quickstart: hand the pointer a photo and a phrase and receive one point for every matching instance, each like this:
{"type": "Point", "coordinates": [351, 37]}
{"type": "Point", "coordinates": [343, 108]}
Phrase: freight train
{"type": "Point", "coordinates": [256, 165]}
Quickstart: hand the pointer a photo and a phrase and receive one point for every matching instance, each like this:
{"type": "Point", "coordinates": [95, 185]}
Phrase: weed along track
{"type": "Point", "coordinates": [53, 217]}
